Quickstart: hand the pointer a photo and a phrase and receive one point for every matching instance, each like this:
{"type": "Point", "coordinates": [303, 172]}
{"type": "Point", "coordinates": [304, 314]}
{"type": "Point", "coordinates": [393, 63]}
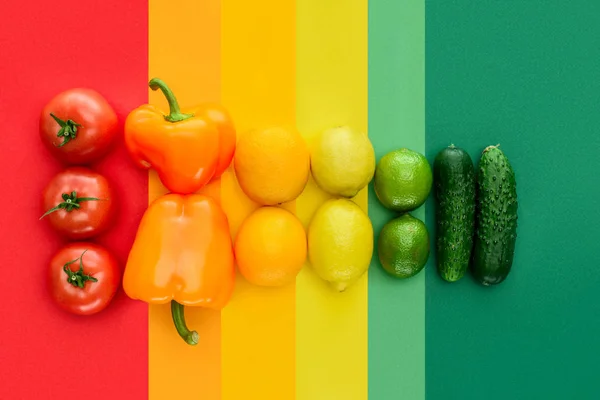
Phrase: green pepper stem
{"type": "Point", "coordinates": [175, 114]}
{"type": "Point", "coordinates": [190, 337]}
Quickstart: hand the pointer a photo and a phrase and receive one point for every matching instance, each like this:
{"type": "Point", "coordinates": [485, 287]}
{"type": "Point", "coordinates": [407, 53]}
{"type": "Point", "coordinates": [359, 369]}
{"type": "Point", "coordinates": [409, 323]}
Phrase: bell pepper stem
{"type": "Point", "coordinates": [190, 337]}
{"type": "Point", "coordinates": [175, 114]}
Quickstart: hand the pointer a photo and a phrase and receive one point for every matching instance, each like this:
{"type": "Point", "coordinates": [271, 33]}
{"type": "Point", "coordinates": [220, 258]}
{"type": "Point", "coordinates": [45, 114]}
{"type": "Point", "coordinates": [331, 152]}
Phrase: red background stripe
{"type": "Point", "coordinates": [47, 47]}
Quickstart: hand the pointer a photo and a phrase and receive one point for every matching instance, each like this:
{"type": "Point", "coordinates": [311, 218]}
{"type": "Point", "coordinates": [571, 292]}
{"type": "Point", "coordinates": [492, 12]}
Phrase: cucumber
{"type": "Point", "coordinates": [496, 218]}
{"type": "Point", "coordinates": [454, 184]}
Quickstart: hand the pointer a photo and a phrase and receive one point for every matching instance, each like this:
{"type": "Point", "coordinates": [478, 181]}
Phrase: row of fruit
{"type": "Point", "coordinates": [184, 253]}
{"type": "Point", "coordinates": [273, 166]}
{"type": "Point", "coordinates": [79, 127]}
{"type": "Point", "coordinates": [402, 184]}
{"type": "Point", "coordinates": [475, 217]}
{"type": "Point", "coordinates": [189, 149]}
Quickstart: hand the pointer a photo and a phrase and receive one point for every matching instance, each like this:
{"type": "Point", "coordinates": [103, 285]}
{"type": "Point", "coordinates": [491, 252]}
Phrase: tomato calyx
{"type": "Point", "coordinates": [70, 203]}
{"type": "Point", "coordinates": [68, 129]}
{"type": "Point", "coordinates": [78, 278]}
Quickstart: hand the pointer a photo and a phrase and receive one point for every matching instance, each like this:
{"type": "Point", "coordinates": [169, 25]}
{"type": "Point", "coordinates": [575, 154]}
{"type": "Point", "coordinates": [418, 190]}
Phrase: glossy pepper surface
{"type": "Point", "coordinates": [183, 254]}
{"type": "Point", "coordinates": [187, 148]}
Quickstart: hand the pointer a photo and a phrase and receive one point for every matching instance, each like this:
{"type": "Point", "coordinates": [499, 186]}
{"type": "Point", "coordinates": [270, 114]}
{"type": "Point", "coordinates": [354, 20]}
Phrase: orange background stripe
{"type": "Point", "coordinates": [258, 82]}
{"type": "Point", "coordinates": [184, 51]}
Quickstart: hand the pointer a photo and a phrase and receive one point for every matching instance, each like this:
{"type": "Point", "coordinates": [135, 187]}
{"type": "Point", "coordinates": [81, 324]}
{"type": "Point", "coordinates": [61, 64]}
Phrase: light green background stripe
{"type": "Point", "coordinates": [396, 119]}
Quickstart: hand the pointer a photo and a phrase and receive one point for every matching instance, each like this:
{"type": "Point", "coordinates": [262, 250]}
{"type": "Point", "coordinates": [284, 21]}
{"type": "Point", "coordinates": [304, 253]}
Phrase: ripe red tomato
{"type": "Point", "coordinates": [78, 126]}
{"type": "Point", "coordinates": [83, 278]}
{"type": "Point", "coordinates": [78, 203]}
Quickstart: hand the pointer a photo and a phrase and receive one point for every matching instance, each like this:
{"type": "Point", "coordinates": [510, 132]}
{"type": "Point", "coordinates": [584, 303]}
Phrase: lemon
{"type": "Point", "coordinates": [403, 180]}
{"type": "Point", "coordinates": [342, 161]}
{"type": "Point", "coordinates": [403, 246]}
{"type": "Point", "coordinates": [340, 243]}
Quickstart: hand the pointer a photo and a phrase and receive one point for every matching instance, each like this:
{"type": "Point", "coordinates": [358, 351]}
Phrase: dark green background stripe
{"type": "Point", "coordinates": [525, 74]}
{"type": "Point", "coordinates": [396, 119]}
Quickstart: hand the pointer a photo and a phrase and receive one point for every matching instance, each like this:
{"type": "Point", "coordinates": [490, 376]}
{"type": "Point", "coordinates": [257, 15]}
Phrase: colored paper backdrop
{"type": "Point", "coordinates": [409, 73]}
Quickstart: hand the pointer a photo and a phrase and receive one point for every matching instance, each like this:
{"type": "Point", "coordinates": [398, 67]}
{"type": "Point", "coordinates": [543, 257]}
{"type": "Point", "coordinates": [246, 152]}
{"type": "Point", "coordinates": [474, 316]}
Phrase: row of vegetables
{"type": "Point", "coordinates": [188, 150]}
{"type": "Point", "coordinates": [476, 214]}
{"type": "Point", "coordinates": [184, 253]}
{"type": "Point", "coordinates": [79, 202]}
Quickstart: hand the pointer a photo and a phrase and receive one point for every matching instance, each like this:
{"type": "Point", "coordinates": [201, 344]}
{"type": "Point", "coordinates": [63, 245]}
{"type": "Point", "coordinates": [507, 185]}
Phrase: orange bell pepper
{"type": "Point", "coordinates": [183, 254]}
{"type": "Point", "coordinates": [227, 134]}
{"type": "Point", "coordinates": [187, 148]}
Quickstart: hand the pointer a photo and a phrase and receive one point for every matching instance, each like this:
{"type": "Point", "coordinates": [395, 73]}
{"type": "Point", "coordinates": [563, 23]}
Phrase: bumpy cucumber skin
{"type": "Point", "coordinates": [496, 218]}
{"type": "Point", "coordinates": [454, 177]}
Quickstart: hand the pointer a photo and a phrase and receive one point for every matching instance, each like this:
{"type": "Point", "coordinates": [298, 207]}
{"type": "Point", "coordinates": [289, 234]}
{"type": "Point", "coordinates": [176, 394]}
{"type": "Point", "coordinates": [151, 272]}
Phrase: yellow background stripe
{"type": "Point", "coordinates": [331, 89]}
{"type": "Point", "coordinates": [258, 69]}
{"type": "Point", "coordinates": [184, 51]}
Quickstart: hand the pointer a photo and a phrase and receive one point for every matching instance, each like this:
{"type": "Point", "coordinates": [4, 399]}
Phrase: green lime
{"type": "Point", "coordinates": [403, 246]}
{"type": "Point", "coordinates": [403, 180]}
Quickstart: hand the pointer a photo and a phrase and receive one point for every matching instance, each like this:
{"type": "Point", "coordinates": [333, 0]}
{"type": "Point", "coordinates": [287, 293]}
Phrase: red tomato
{"type": "Point", "coordinates": [78, 203]}
{"type": "Point", "coordinates": [78, 126]}
{"type": "Point", "coordinates": [83, 278]}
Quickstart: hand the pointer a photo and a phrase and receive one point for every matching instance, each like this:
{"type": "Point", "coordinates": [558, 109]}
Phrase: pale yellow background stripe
{"type": "Point", "coordinates": [331, 89]}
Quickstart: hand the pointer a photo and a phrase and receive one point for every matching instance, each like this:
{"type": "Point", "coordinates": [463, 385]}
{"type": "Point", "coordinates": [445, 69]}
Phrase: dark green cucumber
{"type": "Point", "coordinates": [496, 218]}
{"type": "Point", "coordinates": [454, 183]}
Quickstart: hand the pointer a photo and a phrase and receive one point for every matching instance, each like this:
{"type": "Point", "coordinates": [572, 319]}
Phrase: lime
{"type": "Point", "coordinates": [340, 243]}
{"type": "Point", "coordinates": [342, 161]}
{"type": "Point", "coordinates": [403, 246]}
{"type": "Point", "coordinates": [403, 180]}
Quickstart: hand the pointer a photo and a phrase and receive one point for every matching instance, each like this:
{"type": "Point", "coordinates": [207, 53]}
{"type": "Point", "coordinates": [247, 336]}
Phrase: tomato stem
{"type": "Point", "coordinates": [70, 203]}
{"type": "Point", "coordinates": [68, 129]}
{"type": "Point", "coordinates": [175, 114]}
{"type": "Point", "coordinates": [190, 337]}
{"type": "Point", "coordinates": [78, 278]}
